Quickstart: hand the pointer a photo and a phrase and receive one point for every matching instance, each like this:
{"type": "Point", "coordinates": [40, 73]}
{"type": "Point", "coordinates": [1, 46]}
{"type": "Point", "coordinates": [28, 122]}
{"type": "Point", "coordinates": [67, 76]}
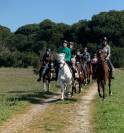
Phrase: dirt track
{"type": "Point", "coordinates": [81, 119]}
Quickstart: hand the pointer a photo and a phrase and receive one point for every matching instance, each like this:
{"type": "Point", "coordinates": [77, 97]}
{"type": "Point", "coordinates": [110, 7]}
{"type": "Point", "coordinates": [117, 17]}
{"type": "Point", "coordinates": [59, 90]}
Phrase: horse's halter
{"type": "Point", "coordinates": [52, 67]}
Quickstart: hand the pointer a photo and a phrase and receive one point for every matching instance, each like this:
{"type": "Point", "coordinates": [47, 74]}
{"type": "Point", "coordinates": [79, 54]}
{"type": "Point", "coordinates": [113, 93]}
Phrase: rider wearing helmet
{"type": "Point", "coordinates": [86, 55]}
{"type": "Point", "coordinates": [67, 51]}
{"type": "Point", "coordinates": [107, 50]}
{"type": "Point", "coordinates": [78, 56]}
{"type": "Point", "coordinates": [73, 50]}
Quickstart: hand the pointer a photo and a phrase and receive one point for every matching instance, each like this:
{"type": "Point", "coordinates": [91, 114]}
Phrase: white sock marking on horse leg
{"type": "Point", "coordinates": [44, 86]}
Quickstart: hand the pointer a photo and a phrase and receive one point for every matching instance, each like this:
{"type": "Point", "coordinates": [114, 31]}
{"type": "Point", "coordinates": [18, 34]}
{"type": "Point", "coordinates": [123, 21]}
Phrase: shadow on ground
{"type": "Point", "coordinates": [31, 96]}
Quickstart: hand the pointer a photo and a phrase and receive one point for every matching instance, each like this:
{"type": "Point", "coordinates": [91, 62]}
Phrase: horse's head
{"type": "Point", "coordinates": [101, 55]}
{"type": "Point", "coordinates": [61, 64]}
{"type": "Point", "coordinates": [103, 66]}
{"type": "Point", "coordinates": [61, 60]}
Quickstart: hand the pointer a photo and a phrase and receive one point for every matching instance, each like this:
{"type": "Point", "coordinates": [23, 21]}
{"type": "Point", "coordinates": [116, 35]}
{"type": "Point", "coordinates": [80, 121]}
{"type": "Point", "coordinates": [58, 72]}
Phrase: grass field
{"type": "Point", "coordinates": [18, 89]}
{"type": "Point", "coordinates": [109, 115]}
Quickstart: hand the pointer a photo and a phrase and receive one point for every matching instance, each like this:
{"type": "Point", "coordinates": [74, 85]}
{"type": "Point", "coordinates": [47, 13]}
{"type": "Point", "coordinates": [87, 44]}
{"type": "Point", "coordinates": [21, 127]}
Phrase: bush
{"type": "Point", "coordinates": [118, 57]}
{"type": "Point", "coordinates": [17, 59]}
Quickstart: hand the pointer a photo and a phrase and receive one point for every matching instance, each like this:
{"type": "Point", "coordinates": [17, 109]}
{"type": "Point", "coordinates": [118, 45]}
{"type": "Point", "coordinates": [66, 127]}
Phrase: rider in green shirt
{"type": "Point", "coordinates": [67, 52]}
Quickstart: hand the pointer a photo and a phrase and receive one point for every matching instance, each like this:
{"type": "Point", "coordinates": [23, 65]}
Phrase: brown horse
{"type": "Point", "coordinates": [103, 74]}
{"type": "Point", "coordinates": [78, 81]}
{"type": "Point", "coordinates": [87, 70]}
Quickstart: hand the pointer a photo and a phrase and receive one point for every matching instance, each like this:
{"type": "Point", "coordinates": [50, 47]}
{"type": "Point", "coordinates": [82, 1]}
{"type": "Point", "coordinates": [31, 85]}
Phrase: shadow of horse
{"type": "Point", "coordinates": [33, 97]}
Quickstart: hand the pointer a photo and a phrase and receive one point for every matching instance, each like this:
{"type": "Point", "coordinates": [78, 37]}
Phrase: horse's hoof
{"type": "Point", "coordinates": [110, 94]}
{"type": "Point", "coordinates": [47, 92]}
{"type": "Point", "coordinates": [100, 95]}
{"type": "Point", "coordinates": [62, 99]}
{"type": "Point", "coordinates": [104, 99]}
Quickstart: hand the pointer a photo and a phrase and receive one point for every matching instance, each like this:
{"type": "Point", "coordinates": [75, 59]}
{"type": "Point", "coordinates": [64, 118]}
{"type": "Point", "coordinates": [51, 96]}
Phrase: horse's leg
{"type": "Point", "coordinates": [88, 75]}
{"type": "Point", "coordinates": [88, 81]}
{"type": "Point", "coordinates": [98, 85]}
{"type": "Point", "coordinates": [48, 85]}
{"type": "Point", "coordinates": [73, 88]}
{"type": "Point", "coordinates": [44, 83]}
{"type": "Point", "coordinates": [44, 86]}
{"type": "Point", "coordinates": [103, 88]}
{"type": "Point", "coordinates": [62, 90]}
{"type": "Point", "coordinates": [80, 85]}
{"type": "Point", "coordinates": [68, 89]}
{"type": "Point", "coordinates": [91, 72]}
{"type": "Point", "coordinates": [109, 84]}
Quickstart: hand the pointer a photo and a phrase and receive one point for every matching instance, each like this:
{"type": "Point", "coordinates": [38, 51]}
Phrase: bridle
{"type": "Point", "coordinates": [63, 64]}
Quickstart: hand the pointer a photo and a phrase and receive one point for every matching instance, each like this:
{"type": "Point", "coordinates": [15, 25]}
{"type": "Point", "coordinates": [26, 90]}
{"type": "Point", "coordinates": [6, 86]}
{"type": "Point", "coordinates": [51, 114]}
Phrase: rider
{"type": "Point", "coordinates": [73, 50]}
{"type": "Point", "coordinates": [106, 48]}
{"type": "Point", "coordinates": [44, 63]}
{"type": "Point", "coordinates": [67, 51]}
{"type": "Point", "coordinates": [86, 55]}
{"type": "Point", "coordinates": [78, 56]}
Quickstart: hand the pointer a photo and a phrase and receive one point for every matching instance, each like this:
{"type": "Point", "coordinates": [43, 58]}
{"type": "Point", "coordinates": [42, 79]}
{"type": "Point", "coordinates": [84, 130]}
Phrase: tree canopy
{"type": "Point", "coordinates": [30, 39]}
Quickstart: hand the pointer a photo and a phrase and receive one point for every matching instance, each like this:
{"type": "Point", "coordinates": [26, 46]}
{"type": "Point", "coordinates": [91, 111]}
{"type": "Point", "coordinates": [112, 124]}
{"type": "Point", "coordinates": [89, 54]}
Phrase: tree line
{"type": "Point", "coordinates": [22, 47]}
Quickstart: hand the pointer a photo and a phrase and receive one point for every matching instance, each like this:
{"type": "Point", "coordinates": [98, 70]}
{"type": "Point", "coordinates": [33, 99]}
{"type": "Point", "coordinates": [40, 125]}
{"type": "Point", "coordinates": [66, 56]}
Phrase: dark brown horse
{"type": "Point", "coordinates": [103, 74]}
{"type": "Point", "coordinates": [50, 72]}
{"type": "Point", "coordinates": [48, 76]}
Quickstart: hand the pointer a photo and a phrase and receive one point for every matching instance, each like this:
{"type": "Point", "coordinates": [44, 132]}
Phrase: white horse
{"type": "Point", "coordinates": [64, 77]}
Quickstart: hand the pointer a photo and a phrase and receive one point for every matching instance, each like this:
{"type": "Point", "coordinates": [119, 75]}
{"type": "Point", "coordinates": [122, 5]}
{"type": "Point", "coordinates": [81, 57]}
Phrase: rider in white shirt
{"type": "Point", "coordinates": [106, 48]}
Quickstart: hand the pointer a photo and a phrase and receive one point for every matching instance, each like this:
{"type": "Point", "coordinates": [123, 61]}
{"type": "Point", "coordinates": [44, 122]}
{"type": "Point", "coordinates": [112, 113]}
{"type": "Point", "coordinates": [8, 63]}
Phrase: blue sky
{"type": "Point", "coordinates": [15, 13]}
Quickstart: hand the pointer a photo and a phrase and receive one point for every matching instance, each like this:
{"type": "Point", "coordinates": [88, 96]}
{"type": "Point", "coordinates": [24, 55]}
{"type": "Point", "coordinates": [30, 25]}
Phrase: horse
{"type": "Point", "coordinates": [78, 78]}
{"type": "Point", "coordinates": [87, 70]}
{"type": "Point", "coordinates": [64, 77]}
{"type": "Point", "coordinates": [48, 73]}
{"type": "Point", "coordinates": [103, 74]}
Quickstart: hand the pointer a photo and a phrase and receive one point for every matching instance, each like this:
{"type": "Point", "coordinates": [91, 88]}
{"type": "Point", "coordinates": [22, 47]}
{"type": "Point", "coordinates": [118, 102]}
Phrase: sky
{"type": "Point", "coordinates": [16, 13]}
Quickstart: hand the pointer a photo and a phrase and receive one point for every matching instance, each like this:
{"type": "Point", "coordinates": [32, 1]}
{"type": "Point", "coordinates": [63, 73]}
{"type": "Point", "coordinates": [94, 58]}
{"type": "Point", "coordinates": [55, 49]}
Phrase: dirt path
{"type": "Point", "coordinates": [81, 123]}
{"type": "Point", "coordinates": [82, 119]}
{"type": "Point", "coordinates": [21, 121]}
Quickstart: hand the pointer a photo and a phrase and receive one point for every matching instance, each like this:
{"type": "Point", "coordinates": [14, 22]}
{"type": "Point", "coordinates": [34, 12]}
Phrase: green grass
{"type": "Point", "coordinates": [18, 89]}
{"type": "Point", "coordinates": [109, 114]}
